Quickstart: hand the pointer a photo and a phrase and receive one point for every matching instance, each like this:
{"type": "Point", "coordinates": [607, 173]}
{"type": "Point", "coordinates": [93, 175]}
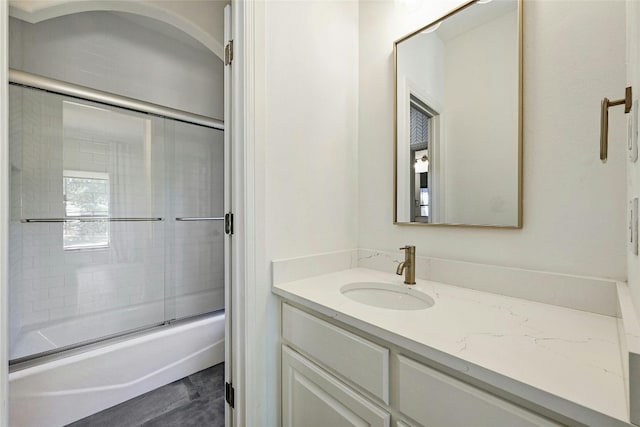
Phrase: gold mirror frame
{"type": "Point", "coordinates": [520, 120]}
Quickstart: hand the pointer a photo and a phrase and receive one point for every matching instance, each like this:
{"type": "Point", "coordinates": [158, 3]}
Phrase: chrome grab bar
{"type": "Point", "coordinates": [87, 219]}
{"type": "Point", "coordinates": [200, 218]}
{"type": "Point", "coordinates": [101, 218]}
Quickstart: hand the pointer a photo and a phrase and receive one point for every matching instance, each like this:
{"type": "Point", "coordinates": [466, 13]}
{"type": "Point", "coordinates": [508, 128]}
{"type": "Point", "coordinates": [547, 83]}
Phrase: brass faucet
{"type": "Point", "coordinates": [408, 265]}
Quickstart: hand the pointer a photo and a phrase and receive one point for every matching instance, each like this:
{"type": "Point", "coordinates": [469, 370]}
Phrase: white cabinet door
{"type": "Point", "coordinates": [311, 397]}
{"type": "Point", "coordinates": [434, 399]}
{"type": "Point", "coordinates": [360, 361]}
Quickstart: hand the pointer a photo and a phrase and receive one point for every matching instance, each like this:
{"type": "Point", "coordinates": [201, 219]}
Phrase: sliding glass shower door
{"type": "Point", "coordinates": [195, 257]}
{"type": "Point", "coordinates": [114, 221]}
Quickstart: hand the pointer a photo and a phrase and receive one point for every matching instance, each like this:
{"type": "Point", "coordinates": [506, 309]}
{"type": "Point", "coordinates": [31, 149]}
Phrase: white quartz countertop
{"type": "Point", "coordinates": [562, 359]}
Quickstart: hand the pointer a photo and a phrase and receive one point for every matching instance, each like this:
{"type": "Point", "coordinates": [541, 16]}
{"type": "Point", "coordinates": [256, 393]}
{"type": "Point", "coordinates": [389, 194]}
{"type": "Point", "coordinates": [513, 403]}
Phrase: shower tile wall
{"type": "Point", "coordinates": [50, 283]}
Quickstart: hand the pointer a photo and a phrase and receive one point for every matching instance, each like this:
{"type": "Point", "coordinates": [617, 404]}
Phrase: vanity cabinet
{"type": "Point", "coordinates": [333, 377]}
{"type": "Point", "coordinates": [312, 397]}
{"type": "Point", "coordinates": [358, 360]}
{"type": "Point", "coordinates": [433, 398]}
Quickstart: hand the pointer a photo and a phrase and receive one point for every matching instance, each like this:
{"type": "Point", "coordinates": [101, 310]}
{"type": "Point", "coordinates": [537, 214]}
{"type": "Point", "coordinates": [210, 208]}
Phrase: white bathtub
{"type": "Point", "coordinates": [62, 391]}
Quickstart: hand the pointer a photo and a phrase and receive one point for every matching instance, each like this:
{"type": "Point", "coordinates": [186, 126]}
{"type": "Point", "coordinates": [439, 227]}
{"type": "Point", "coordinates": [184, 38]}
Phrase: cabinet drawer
{"type": "Point", "coordinates": [435, 399]}
{"type": "Point", "coordinates": [313, 398]}
{"type": "Point", "coordinates": [362, 362]}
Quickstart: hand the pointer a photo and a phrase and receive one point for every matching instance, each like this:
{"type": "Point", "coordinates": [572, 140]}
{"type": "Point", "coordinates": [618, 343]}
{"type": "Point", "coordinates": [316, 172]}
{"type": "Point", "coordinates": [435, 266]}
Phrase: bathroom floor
{"type": "Point", "coordinates": [196, 400]}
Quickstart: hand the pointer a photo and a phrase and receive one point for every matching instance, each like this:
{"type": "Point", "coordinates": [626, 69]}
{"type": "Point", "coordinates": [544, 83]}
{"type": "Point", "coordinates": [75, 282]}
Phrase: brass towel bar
{"type": "Point", "coordinates": [604, 120]}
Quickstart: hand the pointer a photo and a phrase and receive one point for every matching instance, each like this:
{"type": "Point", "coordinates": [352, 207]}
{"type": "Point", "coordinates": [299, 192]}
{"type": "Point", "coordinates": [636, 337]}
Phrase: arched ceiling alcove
{"type": "Point", "coordinates": [202, 20]}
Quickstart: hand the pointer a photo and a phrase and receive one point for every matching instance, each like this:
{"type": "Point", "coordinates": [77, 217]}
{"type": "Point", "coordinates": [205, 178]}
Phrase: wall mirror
{"type": "Point", "coordinates": [458, 124]}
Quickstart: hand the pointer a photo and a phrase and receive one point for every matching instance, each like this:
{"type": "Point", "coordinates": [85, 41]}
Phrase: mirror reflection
{"type": "Point", "coordinates": [458, 144]}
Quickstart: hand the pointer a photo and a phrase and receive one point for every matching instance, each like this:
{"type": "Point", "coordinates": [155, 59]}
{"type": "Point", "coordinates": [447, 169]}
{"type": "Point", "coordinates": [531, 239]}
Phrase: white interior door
{"type": "Point", "coordinates": [4, 206]}
{"type": "Point", "coordinates": [633, 170]}
{"type": "Point", "coordinates": [228, 365]}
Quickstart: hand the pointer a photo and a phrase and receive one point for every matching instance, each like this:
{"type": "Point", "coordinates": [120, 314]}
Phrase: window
{"type": "Point", "coordinates": [420, 123]}
{"type": "Point", "coordinates": [86, 197]}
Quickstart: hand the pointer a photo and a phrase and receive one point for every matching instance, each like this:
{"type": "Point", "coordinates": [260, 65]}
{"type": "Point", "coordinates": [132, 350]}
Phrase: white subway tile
{"type": "Point", "coordinates": [47, 304]}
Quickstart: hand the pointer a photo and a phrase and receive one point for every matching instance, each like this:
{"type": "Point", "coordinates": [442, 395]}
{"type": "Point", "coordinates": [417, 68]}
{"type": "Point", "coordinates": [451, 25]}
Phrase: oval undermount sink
{"type": "Point", "coordinates": [387, 295]}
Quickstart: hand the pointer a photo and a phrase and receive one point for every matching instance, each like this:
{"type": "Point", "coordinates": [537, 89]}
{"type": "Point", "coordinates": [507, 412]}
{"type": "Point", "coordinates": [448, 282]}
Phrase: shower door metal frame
{"type": "Point", "coordinates": [35, 81]}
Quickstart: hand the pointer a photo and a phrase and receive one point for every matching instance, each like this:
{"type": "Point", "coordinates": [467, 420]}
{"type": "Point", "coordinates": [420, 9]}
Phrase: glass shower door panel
{"type": "Point", "coordinates": [198, 280]}
{"type": "Point", "coordinates": [195, 282]}
{"type": "Point", "coordinates": [92, 245]}
{"type": "Point", "coordinates": [36, 268]}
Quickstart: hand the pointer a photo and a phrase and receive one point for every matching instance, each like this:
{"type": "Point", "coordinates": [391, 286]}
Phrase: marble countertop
{"type": "Point", "coordinates": [566, 360]}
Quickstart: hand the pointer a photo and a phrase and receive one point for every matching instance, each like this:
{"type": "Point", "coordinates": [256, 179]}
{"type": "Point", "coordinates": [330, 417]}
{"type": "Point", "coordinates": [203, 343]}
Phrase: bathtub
{"type": "Point", "coordinates": [64, 390]}
{"type": "Point", "coordinates": [50, 336]}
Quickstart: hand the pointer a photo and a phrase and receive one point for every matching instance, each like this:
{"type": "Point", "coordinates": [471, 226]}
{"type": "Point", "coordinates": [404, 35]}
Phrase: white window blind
{"type": "Point", "coordinates": [419, 128]}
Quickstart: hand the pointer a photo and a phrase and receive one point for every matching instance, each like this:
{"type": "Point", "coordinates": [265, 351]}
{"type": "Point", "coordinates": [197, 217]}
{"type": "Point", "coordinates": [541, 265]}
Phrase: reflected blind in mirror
{"type": "Point", "coordinates": [419, 128]}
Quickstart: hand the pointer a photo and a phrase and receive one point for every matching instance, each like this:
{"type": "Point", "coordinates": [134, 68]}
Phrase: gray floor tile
{"type": "Point", "coordinates": [210, 382]}
{"type": "Point", "coordinates": [199, 413]}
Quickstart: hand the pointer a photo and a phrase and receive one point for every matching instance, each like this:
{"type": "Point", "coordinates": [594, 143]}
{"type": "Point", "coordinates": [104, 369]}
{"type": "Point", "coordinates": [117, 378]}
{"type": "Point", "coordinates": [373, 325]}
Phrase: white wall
{"type": "Point", "coordinates": [305, 155]}
{"type": "Point", "coordinates": [311, 127]}
{"type": "Point", "coordinates": [574, 207]}
{"type": "Point", "coordinates": [480, 121]}
{"type": "Point", "coordinates": [124, 54]}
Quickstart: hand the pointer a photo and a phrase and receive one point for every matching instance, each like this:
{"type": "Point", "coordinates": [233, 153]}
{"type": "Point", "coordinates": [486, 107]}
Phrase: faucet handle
{"type": "Point", "coordinates": [404, 248]}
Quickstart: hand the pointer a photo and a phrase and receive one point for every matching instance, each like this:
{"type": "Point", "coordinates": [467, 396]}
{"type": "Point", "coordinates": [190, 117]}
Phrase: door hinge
{"type": "Point", "coordinates": [228, 53]}
{"type": "Point", "coordinates": [229, 394]}
{"type": "Point", "coordinates": [228, 223]}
